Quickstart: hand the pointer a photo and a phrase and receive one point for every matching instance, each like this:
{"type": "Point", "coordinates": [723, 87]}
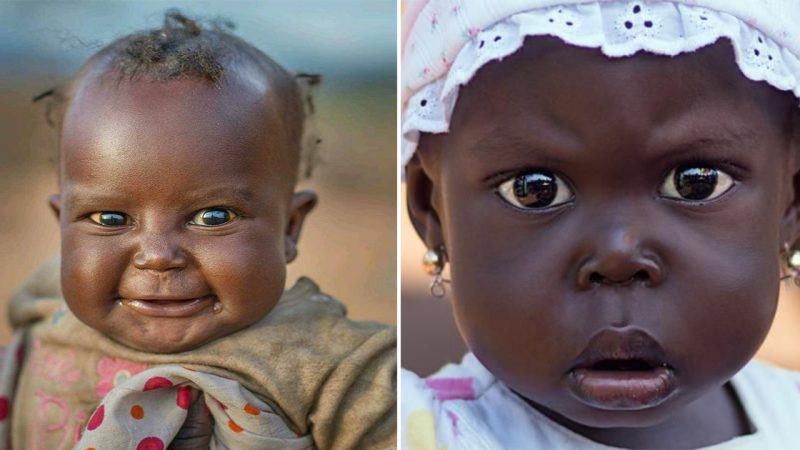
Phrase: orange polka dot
{"type": "Point", "coordinates": [252, 410]}
{"type": "Point", "coordinates": [236, 428]}
{"type": "Point", "coordinates": [91, 448]}
{"type": "Point", "coordinates": [137, 412]}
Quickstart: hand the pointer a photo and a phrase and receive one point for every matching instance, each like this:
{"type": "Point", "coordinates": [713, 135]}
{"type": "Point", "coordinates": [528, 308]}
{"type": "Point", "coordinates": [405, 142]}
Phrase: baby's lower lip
{"type": "Point", "coordinates": [169, 308]}
{"type": "Point", "coordinates": [623, 389]}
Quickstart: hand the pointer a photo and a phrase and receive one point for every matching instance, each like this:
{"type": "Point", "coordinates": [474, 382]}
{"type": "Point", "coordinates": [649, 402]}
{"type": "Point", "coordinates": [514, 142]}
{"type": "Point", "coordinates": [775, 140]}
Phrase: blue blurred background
{"type": "Point", "coordinates": [346, 40]}
{"type": "Point", "coordinates": [349, 242]}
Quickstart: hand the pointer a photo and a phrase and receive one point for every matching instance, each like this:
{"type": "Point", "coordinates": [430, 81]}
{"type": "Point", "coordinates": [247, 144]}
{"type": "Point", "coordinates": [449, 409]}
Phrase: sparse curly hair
{"type": "Point", "coordinates": [182, 49]}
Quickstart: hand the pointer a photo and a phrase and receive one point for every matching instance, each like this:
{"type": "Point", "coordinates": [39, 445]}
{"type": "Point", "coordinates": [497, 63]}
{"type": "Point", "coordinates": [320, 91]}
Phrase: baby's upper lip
{"type": "Point", "coordinates": [621, 345]}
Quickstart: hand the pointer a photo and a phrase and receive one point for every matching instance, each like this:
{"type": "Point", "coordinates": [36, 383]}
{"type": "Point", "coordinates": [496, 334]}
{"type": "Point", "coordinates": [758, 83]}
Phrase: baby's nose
{"type": "Point", "coordinates": [619, 259]}
{"type": "Point", "coordinates": [159, 252]}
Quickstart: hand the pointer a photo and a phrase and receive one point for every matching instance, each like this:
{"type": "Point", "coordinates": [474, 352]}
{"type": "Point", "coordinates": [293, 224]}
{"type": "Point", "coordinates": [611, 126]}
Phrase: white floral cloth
{"type": "Point", "coordinates": [449, 40]}
{"type": "Point", "coordinates": [464, 407]}
{"type": "Point", "coordinates": [147, 410]}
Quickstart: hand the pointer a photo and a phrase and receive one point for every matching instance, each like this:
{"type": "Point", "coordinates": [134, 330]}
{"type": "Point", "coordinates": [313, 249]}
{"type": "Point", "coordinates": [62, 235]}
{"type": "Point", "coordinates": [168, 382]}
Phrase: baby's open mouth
{"type": "Point", "coordinates": [622, 365]}
{"type": "Point", "coordinates": [169, 307]}
{"type": "Point", "coordinates": [622, 371]}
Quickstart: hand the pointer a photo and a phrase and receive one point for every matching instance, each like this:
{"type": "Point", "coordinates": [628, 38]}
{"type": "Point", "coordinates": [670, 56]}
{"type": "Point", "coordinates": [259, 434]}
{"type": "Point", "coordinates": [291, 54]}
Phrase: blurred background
{"type": "Point", "coordinates": [349, 242]}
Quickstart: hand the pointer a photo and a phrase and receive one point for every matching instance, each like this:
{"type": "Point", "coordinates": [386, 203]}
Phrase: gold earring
{"type": "Point", "coordinates": [792, 259]}
{"type": "Point", "coordinates": [433, 261]}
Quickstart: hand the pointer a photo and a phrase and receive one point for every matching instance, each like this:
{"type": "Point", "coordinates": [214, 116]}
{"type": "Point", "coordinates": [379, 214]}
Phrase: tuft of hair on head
{"type": "Point", "coordinates": [310, 140]}
{"type": "Point", "coordinates": [183, 48]}
{"type": "Point", "coordinates": [180, 48]}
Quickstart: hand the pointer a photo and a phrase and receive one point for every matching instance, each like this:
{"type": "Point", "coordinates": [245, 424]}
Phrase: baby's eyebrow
{"type": "Point", "coordinates": [76, 196]}
{"type": "Point", "coordinates": [79, 195]}
{"type": "Point", "coordinates": [507, 144]}
{"type": "Point", "coordinates": [719, 136]}
{"type": "Point", "coordinates": [224, 192]}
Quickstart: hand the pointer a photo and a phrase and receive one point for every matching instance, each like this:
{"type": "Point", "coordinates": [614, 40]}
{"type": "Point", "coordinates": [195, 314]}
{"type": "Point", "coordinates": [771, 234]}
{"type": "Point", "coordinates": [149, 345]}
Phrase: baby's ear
{"type": "Point", "coordinates": [791, 219]}
{"type": "Point", "coordinates": [422, 208]}
{"type": "Point", "coordinates": [302, 203]}
{"type": "Point", "coordinates": [55, 204]}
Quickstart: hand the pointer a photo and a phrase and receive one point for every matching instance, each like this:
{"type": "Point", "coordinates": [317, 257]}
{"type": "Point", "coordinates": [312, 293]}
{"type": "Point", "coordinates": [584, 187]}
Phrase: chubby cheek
{"type": "Point", "coordinates": [91, 268]}
{"type": "Point", "coordinates": [247, 271]}
{"type": "Point", "coordinates": [508, 295]}
{"type": "Point", "coordinates": [728, 307]}
{"type": "Point", "coordinates": [510, 312]}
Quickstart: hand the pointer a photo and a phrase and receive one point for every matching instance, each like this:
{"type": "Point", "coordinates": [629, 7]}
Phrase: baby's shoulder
{"type": "Point", "coordinates": [770, 397]}
{"type": "Point", "coordinates": [466, 381]}
{"type": "Point", "coordinates": [310, 329]}
{"type": "Point", "coordinates": [306, 310]}
{"type": "Point", "coordinates": [452, 407]}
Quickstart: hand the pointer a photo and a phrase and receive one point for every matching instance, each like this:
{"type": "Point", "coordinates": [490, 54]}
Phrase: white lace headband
{"type": "Point", "coordinates": [445, 47]}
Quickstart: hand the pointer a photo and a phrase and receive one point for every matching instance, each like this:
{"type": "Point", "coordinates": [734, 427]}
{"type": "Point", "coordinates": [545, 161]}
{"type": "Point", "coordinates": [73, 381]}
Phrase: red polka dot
{"type": "Point", "coordinates": [4, 408]}
{"type": "Point", "coordinates": [252, 410]}
{"type": "Point", "coordinates": [150, 443]}
{"type": "Point", "coordinates": [157, 383]}
{"type": "Point", "coordinates": [184, 397]}
{"type": "Point", "coordinates": [97, 418]}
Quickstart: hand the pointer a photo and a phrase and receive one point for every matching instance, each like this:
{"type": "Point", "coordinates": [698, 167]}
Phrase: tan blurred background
{"type": "Point", "coordinates": [348, 244]}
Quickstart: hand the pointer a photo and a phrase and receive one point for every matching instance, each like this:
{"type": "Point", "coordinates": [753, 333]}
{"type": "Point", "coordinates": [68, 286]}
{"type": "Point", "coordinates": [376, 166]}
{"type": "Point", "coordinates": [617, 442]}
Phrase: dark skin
{"type": "Point", "coordinates": [620, 250]}
{"type": "Point", "coordinates": [176, 191]}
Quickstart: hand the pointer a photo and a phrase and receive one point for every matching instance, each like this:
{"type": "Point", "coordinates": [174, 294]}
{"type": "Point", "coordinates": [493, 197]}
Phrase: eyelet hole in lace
{"type": "Point", "coordinates": [637, 21]}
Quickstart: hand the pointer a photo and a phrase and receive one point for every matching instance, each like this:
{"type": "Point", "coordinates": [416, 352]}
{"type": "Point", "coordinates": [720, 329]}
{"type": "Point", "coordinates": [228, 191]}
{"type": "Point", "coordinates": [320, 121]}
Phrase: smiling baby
{"type": "Point", "coordinates": [179, 153]}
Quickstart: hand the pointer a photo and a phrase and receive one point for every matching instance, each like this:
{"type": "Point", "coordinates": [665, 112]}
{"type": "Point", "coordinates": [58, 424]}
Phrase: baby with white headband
{"type": "Point", "coordinates": [613, 187]}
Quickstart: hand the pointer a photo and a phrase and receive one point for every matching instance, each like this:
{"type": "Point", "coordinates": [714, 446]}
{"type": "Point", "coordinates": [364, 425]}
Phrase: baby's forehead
{"type": "Point", "coordinates": [203, 123]}
{"type": "Point", "coordinates": [103, 103]}
{"type": "Point", "coordinates": [242, 82]}
{"type": "Point", "coordinates": [563, 77]}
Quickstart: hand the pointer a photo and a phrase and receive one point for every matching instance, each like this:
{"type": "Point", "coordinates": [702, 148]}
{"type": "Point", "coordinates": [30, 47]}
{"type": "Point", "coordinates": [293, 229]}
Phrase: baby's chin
{"type": "Point", "coordinates": [164, 335]}
{"type": "Point", "coordinates": [572, 410]}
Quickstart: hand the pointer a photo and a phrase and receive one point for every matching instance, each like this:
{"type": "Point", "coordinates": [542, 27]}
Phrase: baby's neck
{"type": "Point", "coordinates": [716, 417]}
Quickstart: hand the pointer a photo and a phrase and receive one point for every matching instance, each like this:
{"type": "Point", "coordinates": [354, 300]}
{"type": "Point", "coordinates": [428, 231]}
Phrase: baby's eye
{"type": "Point", "coordinates": [213, 217]}
{"type": "Point", "coordinates": [696, 183]}
{"type": "Point", "coordinates": [110, 218]}
{"type": "Point", "coordinates": [535, 190]}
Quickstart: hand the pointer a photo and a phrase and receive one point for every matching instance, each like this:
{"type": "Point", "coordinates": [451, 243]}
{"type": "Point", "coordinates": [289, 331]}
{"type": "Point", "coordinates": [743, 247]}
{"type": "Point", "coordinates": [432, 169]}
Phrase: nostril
{"type": "Point", "coordinates": [596, 278]}
{"type": "Point", "coordinates": [641, 275]}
